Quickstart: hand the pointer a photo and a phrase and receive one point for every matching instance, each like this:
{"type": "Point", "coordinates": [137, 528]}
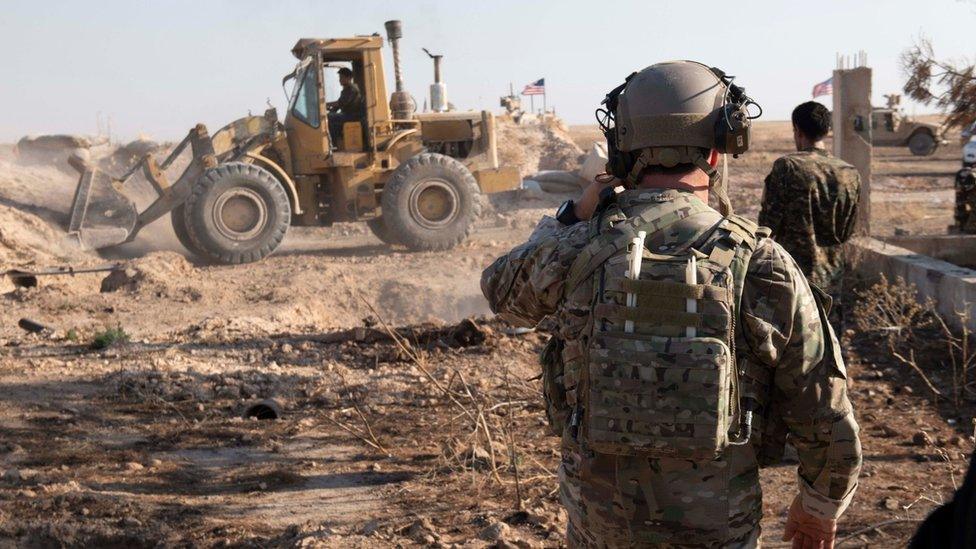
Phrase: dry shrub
{"type": "Point", "coordinates": [918, 336]}
{"type": "Point", "coordinates": [893, 308]}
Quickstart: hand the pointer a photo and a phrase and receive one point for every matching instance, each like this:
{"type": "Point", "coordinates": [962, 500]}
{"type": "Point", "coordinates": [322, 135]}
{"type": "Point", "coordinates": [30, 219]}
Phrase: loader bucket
{"type": "Point", "coordinates": [101, 216]}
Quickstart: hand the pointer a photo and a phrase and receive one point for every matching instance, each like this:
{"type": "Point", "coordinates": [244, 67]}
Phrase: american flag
{"type": "Point", "coordinates": [824, 88]}
{"type": "Point", "coordinates": [536, 88]}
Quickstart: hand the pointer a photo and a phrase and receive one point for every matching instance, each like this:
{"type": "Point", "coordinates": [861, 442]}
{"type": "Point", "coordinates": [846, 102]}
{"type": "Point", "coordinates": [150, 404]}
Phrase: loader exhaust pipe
{"type": "Point", "coordinates": [401, 103]}
{"type": "Point", "coordinates": [394, 32]}
{"type": "Point", "coordinates": [438, 90]}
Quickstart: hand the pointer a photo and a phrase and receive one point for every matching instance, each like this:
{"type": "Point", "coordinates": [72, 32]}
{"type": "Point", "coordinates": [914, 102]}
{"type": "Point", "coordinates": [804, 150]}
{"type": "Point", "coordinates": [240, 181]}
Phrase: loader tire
{"type": "Point", "coordinates": [431, 202]}
{"type": "Point", "coordinates": [237, 213]}
{"type": "Point", "coordinates": [178, 218]}
{"type": "Point", "coordinates": [378, 227]}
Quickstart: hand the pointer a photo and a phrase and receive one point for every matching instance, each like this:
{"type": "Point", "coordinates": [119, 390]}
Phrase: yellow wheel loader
{"type": "Point", "coordinates": [415, 179]}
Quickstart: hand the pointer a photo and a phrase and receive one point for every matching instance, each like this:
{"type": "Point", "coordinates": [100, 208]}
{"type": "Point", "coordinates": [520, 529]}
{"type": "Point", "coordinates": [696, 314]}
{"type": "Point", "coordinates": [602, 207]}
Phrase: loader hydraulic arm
{"type": "Point", "coordinates": [102, 216]}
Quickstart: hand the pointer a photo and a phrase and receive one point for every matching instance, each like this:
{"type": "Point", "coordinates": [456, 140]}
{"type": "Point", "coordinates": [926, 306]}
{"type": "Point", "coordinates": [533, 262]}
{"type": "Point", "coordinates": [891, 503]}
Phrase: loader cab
{"type": "Point", "coordinates": [315, 84]}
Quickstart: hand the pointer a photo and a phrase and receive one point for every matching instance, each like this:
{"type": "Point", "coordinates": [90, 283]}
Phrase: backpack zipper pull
{"type": "Point", "coordinates": [691, 279]}
{"type": "Point", "coordinates": [635, 258]}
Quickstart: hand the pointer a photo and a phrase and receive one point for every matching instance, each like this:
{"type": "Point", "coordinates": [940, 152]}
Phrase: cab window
{"type": "Point", "coordinates": [305, 104]}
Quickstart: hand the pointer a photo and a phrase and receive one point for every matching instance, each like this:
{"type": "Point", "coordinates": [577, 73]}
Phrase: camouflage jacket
{"type": "Point", "coordinates": [810, 204]}
{"type": "Point", "coordinates": [792, 368]}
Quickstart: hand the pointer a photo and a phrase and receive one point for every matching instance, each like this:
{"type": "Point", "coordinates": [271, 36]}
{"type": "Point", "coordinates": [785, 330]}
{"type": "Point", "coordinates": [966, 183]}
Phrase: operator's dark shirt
{"type": "Point", "coordinates": [350, 101]}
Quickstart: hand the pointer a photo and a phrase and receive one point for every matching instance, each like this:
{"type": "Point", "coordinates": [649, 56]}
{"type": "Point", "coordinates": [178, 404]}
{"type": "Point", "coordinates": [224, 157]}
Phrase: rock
{"type": "Point", "coordinates": [371, 527]}
{"type": "Point", "coordinates": [287, 349]}
{"type": "Point", "coordinates": [889, 432]}
{"type": "Point", "coordinates": [133, 466]}
{"type": "Point", "coordinates": [13, 475]}
{"type": "Point", "coordinates": [155, 462]}
{"type": "Point", "coordinates": [921, 438]}
{"type": "Point", "coordinates": [890, 503]}
{"type": "Point", "coordinates": [16, 449]}
{"type": "Point", "coordinates": [497, 531]}
{"type": "Point", "coordinates": [227, 391]}
{"type": "Point", "coordinates": [419, 529]}
{"type": "Point", "coordinates": [131, 522]}
{"type": "Point", "coordinates": [123, 278]}
{"type": "Point", "coordinates": [468, 333]}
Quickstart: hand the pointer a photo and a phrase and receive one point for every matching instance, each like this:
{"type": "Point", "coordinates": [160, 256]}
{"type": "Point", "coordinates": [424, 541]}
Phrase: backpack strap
{"type": "Point", "coordinates": [734, 249]}
{"type": "Point", "coordinates": [615, 238]}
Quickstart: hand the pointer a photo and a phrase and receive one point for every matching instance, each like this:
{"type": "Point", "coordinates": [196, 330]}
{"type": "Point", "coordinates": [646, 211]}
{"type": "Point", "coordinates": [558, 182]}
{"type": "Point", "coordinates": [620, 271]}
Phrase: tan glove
{"type": "Point", "coordinates": [808, 531]}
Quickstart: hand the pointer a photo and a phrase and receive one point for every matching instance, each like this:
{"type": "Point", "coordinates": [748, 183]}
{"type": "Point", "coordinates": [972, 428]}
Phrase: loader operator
{"type": "Point", "coordinates": [688, 345]}
{"type": "Point", "coordinates": [348, 108]}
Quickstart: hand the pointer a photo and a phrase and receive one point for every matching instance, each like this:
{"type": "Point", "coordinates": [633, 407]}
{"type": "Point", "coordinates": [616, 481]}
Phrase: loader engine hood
{"type": "Point", "coordinates": [246, 133]}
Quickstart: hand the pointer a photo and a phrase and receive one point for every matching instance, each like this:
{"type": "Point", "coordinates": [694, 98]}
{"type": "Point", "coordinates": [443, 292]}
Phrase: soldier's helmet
{"type": "Point", "coordinates": [672, 104]}
{"type": "Point", "coordinates": [676, 113]}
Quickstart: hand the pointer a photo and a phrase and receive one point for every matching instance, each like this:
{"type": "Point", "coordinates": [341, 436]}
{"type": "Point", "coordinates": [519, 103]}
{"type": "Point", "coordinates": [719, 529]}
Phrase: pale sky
{"type": "Point", "coordinates": [160, 67]}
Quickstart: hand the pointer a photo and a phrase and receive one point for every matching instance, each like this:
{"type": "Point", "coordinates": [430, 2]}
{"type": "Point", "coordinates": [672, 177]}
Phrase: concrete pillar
{"type": "Point", "coordinates": [852, 131]}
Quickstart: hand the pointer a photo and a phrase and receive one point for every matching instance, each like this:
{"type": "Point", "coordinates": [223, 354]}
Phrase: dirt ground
{"type": "Point", "coordinates": [402, 422]}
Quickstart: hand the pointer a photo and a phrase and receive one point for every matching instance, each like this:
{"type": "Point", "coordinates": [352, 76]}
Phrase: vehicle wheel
{"type": "Point", "coordinates": [237, 213]}
{"type": "Point", "coordinates": [431, 202]}
{"type": "Point", "coordinates": [378, 226]}
{"type": "Point", "coordinates": [178, 218]}
{"type": "Point", "coordinates": [921, 143]}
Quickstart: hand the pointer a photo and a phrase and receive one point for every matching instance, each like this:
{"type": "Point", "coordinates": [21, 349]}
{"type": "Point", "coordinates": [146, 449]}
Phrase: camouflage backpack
{"type": "Point", "coordinates": [660, 378]}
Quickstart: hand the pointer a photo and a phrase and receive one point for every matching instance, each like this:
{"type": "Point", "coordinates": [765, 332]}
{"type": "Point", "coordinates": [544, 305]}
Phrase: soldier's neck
{"type": "Point", "coordinates": [694, 182]}
{"type": "Point", "coordinates": [804, 145]}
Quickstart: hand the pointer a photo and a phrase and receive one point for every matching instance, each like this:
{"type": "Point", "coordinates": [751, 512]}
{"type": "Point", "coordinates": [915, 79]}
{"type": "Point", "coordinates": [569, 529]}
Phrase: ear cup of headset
{"type": "Point", "coordinates": [619, 163]}
{"type": "Point", "coordinates": [733, 130]}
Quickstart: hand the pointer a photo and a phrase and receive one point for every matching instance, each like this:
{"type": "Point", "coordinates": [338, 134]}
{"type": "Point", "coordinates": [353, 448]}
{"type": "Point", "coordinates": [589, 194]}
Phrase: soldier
{"type": "Point", "coordinates": [965, 201]}
{"type": "Point", "coordinates": [668, 346]}
{"type": "Point", "coordinates": [810, 201]}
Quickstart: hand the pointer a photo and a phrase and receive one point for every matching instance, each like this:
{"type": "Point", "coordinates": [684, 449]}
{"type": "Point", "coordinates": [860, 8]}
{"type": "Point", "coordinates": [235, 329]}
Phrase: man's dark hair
{"type": "Point", "coordinates": [345, 72]}
{"type": "Point", "coordinates": [812, 119]}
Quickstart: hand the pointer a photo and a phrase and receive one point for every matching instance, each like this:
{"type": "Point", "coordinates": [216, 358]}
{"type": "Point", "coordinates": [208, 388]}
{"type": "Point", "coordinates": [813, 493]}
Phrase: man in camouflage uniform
{"type": "Point", "coordinates": [965, 201]}
{"type": "Point", "coordinates": [810, 200]}
{"type": "Point", "coordinates": [785, 351]}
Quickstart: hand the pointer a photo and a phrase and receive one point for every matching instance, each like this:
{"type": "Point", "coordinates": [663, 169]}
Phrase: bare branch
{"type": "Point", "coordinates": [947, 85]}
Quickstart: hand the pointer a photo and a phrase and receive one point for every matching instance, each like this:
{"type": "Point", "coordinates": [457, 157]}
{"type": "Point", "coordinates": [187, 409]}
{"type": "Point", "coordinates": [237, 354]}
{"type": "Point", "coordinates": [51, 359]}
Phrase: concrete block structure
{"type": "Point", "coordinates": [851, 120]}
{"type": "Point", "coordinates": [951, 287]}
